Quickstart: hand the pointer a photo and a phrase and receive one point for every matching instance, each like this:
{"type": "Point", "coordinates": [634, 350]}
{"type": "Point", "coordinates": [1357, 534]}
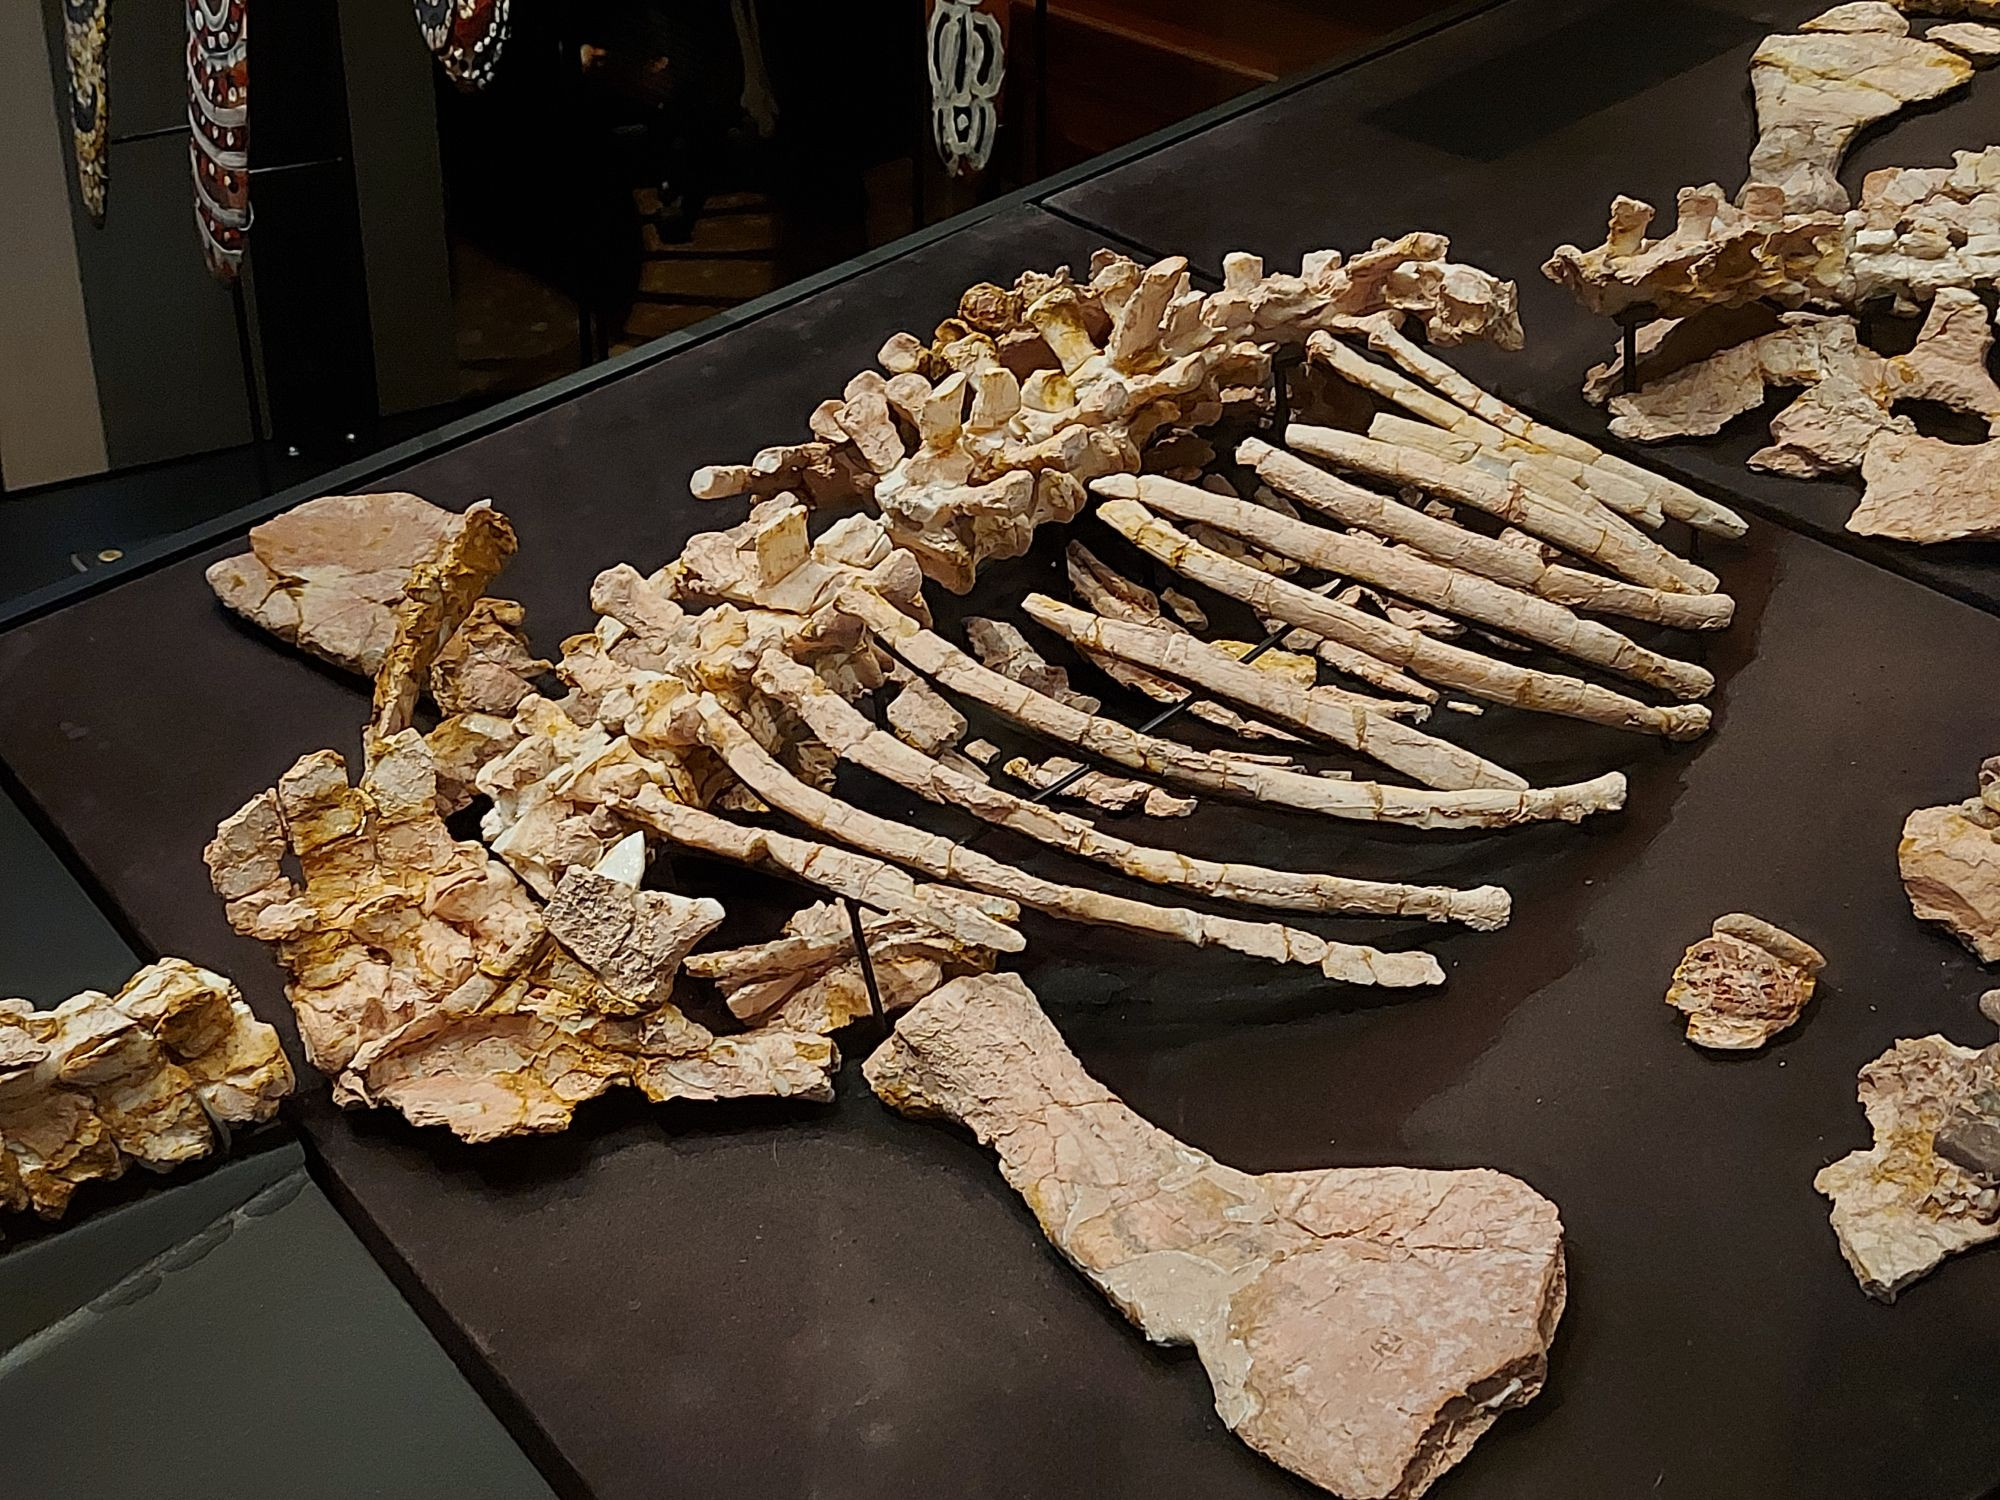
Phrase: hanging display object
{"type": "Point", "coordinates": [219, 129]}
{"type": "Point", "coordinates": [85, 40]}
{"type": "Point", "coordinates": [964, 48]}
{"type": "Point", "coordinates": [466, 36]}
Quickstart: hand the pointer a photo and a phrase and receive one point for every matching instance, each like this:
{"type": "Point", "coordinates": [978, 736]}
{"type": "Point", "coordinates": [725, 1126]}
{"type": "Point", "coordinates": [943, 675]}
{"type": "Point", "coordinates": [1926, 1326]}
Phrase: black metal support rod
{"type": "Point", "coordinates": [1629, 378]}
{"type": "Point", "coordinates": [867, 964]}
{"type": "Point", "coordinates": [255, 407]}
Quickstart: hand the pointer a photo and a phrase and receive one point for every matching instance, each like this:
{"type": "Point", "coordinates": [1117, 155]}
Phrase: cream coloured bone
{"type": "Point", "coordinates": [1489, 557]}
{"type": "Point", "coordinates": [1441, 662]}
{"type": "Point", "coordinates": [1452, 590]}
{"type": "Point", "coordinates": [1606, 540]}
{"type": "Point", "coordinates": [1361, 1326]}
{"type": "Point", "coordinates": [939, 859]}
{"type": "Point", "coordinates": [842, 727]}
{"type": "Point", "coordinates": [1227, 775]}
{"type": "Point", "coordinates": [1322, 711]}
{"type": "Point", "coordinates": [1949, 858]}
{"type": "Point", "coordinates": [1743, 983]}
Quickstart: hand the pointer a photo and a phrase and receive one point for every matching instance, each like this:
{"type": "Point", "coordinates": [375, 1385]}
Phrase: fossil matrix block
{"type": "Point", "coordinates": [1361, 1326]}
{"type": "Point", "coordinates": [1743, 983]}
{"type": "Point", "coordinates": [1930, 1185]}
{"type": "Point", "coordinates": [1950, 860]}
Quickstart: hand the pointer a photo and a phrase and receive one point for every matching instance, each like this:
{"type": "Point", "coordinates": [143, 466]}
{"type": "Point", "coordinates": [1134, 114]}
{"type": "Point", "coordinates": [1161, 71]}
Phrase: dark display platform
{"type": "Point", "coordinates": [1511, 131]}
{"type": "Point", "coordinates": [770, 1301]}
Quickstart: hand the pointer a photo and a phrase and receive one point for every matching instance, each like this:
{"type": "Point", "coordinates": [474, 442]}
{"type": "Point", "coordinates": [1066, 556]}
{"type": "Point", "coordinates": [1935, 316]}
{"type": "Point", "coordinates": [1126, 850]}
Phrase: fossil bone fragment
{"type": "Point", "coordinates": [1612, 543]}
{"type": "Point", "coordinates": [1441, 662]}
{"type": "Point", "coordinates": [1416, 578]}
{"type": "Point", "coordinates": [809, 979]}
{"type": "Point", "coordinates": [1490, 557]}
{"type": "Point", "coordinates": [1002, 648]}
{"type": "Point", "coordinates": [144, 1076]}
{"type": "Point", "coordinates": [1950, 862]}
{"type": "Point", "coordinates": [1905, 1204]}
{"type": "Point", "coordinates": [486, 667]}
{"type": "Point", "coordinates": [1815, 90]}
{"type": "Point", "coordinates": [939, 859]}
{"type": "Point", "coordinates": [327, 575]}
{"type": "Point", "coordinates": [841, 726]}
{"type": "Point", "coordinates": [1230, 776]}
{"type": "Point", "coordinates": [1325, 712]}
{"type": "Point", "coordinates": [1362, 1326]}
{"type": "Point", "coordinates": [1076, 782]}
{"type": "Point", "coordinates": [425, 978]}
{"type": "Point", "coordinates": [1980, 45]}
{"type": "Point", "coordinates": [1923, 489]}
{"type": "Point", "coordinates": [1743, 983]}
{"type": "Point", "coordinates": [920, 717]}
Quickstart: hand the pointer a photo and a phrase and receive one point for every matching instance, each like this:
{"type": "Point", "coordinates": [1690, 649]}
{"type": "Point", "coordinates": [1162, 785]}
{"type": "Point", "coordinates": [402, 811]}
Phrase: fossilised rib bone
{"type": "Point", "coordinates": [327, 575]}
{"type": "Point", "coordinates": [1465, 594]}
{"type": "Point", "coordinates": [1605, 539]}
{"type": "Point", "coordinates": [1743, 983]}
{"type": "Point", "coordinates": [919, 717]}
{"type": "Point", "coordinates": [1487, 556]}
{"type": "Point", "coordinates": [1482, 677]}
{"type": "Point", "coordinates": [1901, 1206]}
{"type": "Point", "coordinates": [1002, 648]}
{"type": "Point", "coordinates": [1602, 474]}
{"type": "Point", "coordinates": [939, 859]}
{"type": "Point", "coordinates": [1817, 89]}
{"type": "Point", "coordinates": [1071, 779]}
{"type": "Point", "coordinates": [961, 915]}
{"type": "Point", "coordinates": [1228, 776]}
{"type": "Point", "coordinates": [100, 1082]}
{"type": "Point", "coordinates": [1362, 1326]}
{"type": "Point", "coordinates": [809, 979]}
{"type": "Point", "coordinates": [842, 727]}
{"type": "Point", "coordinates": [423, 977]}
{"type": "Point", "coordinates": [1326, 712]}
{"type": "Point", "coordinates": [1950, 862]}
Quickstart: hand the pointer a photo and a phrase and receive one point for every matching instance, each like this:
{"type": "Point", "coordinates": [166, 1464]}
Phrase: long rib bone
{"type": "Point", "coordinates": [1371, 802]}
{"type": "Point", "coordinates": [1453, 666]}
{"type": "Point", "coordinates": [939, 859]}
{"type": "Point", "coordinates": [1604, 539]}
{"type": "Point", "coordinates": [1353, 506]}
{"type": "Point", "coordinates": [1452, 590]}
{"type": "Point", "coordinates": [1323, 711]}
{"type": "Point", "coordinates": [844, 728]}
{"type": "Point", "coordinates": [1676, 500]}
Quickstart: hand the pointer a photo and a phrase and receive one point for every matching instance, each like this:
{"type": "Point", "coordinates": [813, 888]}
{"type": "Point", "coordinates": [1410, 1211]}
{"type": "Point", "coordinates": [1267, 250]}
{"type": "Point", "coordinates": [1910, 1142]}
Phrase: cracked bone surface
{"type": "Point", "coordinates": [1949, 858]}
{"type": "Point", "coordinates": [328, 575]}
{"type": "Point", "coordinates": [940, 859]}
{"type": "Point", "coordinates": [425, 978]}
{"type": "Point", "coordinates": [1929, 1187]}
{"type": "Point", "coordinates": [1487, 556]}
{"type": "Point", "coordinates": [1227, 776]}
{"type": "Point", "coordinates": [101, 1082]}
{"type": "Point", "coordinates": [1361, 1326]}
{"type": "Point", "coordinates": [1452, 666]}
{"type": "Point", "coordinates": [1451, 590]}
{"type": "Point", "coordinates": [1743, 983]}
{"type": "Point", "coordinates": [1325, 712]}
{"type": "Point", "coordinates": [1031, 391]}
{"type": "Point", "coordinates": [841, 726]}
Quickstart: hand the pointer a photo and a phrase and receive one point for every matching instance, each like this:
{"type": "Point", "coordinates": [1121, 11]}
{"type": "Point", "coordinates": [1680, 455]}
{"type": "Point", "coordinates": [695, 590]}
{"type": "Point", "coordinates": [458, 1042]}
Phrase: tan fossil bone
{"type": "Point", "coordinates": [1606, 476]}
{"type": "Point", "coordinates": [1902, 1206]}
{"type": "Point", "coordinates": [1032, 391]}
{"type": "Point", "coordinates": [1490, 557]}
{"type": "Point", "coordinates": [1817, 88]}
{"type": "Point", "coordinates": [1454, 591]}
{"type": "Point", "coordinates": [939, 859]}
{"type": "Point", "coordinates": [1229, 776]}
{"type": "Point", "coordinates": [1072, 781]}
{"type": "Point", "coordinates": [1949, 858]}
{"type": "Point", "coordinates": [147, 1076]}
{"type": "Point", "coordinates": [425, 979]}
{"type": "Point", "coordinates": [1325, 712]}
{"type": "Point", "coordinates": [1439, 661]}
{"type": "Point", "coordinates": [1361, 1326]}
{"type": "Point", "coordinates": [844, 728]}
{"type": "Point", "coordinates": [1743, 983]}
{"type": "Point", "coordinates": [1605, 539]}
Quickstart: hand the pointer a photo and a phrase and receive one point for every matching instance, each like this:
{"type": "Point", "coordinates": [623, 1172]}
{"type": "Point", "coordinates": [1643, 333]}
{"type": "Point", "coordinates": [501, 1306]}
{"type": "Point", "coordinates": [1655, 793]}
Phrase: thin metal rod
{"type": "Point", "coordinates": [256, 407]}
{"type": "Point", "coordinates": [867, 964]}
{"type": "Point", "coordinates": [1630, 377]}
